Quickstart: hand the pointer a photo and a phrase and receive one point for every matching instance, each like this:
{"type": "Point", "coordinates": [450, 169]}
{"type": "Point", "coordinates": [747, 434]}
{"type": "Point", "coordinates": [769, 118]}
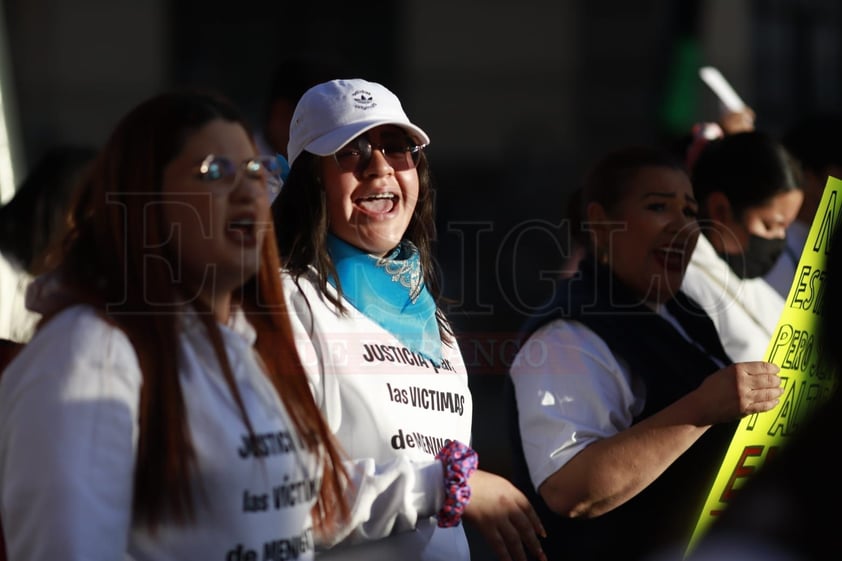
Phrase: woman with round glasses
{"type": "Point", "coordinates": [161, 410]}
{"type": "Point", "coordinates": [355, 226]}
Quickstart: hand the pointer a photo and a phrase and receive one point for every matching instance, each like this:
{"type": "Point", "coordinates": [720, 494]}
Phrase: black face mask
{"type": "Point", "coordinates": [758, 259]}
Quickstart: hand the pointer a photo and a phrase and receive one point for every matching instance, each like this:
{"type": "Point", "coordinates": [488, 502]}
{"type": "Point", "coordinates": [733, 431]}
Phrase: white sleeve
{"type": "Point", "coordinates": [385, 498]}
{"type": "Point", "coordinates": [570, 392]}
{"type": "Point", "coordinates": [310, 355]}
{"type": "Point", "coordinates": [389, 498]}
{"type": "Point", "coordinates": [68, 410]}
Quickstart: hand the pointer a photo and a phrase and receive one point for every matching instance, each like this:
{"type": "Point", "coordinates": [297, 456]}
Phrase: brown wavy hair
{"type": "Point", "coordinates": [114, 258]}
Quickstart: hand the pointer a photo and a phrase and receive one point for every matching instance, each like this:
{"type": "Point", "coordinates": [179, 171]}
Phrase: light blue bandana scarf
{"type": "Point", "coordinates": [391, 292]}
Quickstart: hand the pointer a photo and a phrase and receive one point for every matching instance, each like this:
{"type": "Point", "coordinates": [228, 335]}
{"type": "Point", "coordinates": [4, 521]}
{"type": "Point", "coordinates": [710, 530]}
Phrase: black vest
{"type": "Point", "coordinates": [665, 513]}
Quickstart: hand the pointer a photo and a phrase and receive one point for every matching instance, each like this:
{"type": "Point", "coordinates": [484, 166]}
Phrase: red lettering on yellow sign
{"type": "Point", "coordinates": [743, 469]}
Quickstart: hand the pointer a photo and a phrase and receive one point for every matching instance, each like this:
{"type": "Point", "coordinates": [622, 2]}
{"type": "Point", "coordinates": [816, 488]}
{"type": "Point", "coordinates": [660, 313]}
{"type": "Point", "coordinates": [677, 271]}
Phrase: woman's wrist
{"type": "Point", "coordinates": [460, 462]}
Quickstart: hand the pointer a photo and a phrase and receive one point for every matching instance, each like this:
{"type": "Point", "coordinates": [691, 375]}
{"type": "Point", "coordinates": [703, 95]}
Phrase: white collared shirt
{"type": "Point", "coordinates": [744, 311]}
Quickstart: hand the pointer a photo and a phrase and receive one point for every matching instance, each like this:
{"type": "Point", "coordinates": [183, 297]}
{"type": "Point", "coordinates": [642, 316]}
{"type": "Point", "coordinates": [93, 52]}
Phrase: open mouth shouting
{"type": "Point", "coordinates": [242, 230]}
{"type": "Point", "coordinates": [378, 205]}
{"type": "Point", "coordinates": [673, 258]}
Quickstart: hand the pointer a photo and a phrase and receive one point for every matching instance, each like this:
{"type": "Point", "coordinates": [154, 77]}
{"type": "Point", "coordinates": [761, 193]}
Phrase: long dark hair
{"type": "Point", "coordinates": [106, 262]}
{"type": "Point", "coordinates": [749, 168]}
{"type": "Point", "coordinates": [301, 227]}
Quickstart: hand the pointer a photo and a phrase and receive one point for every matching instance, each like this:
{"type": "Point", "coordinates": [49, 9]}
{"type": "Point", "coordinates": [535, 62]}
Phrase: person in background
{"type": "Point", "coordinates": [355, 226]}
{"type": "Point", "coordinates": [730, 122]}
{"type": "Point", "coordinates": [292, 77]}
{"type": "Point", "coordinates": [622, 399]}
{"type": "Point", "coordinates": [160, 411]}
{"type": "Point", "coordinates": [17, 323]}
{"type": "Point", "coordinates": [29, 223]}
{"type": "Point", "coordinates": [733, 122]}
{"type": "Point", "coordinates": [816, 144]}
{"type": "Point", "coordinates": [748, 193]}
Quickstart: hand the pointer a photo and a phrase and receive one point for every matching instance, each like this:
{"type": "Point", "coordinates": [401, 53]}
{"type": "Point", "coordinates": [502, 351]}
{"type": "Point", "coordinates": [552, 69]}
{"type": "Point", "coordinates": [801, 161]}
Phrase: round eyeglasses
{"type": "Point", "coordinates": [355, 156]}
{"type": "Point", "coordinates": [223, 174]}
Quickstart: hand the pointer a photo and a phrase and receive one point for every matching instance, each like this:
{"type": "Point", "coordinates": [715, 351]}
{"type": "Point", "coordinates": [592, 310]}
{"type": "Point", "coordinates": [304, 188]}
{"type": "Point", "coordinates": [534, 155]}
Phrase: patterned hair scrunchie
{"type": "Point", "coordinates": [460, 461]}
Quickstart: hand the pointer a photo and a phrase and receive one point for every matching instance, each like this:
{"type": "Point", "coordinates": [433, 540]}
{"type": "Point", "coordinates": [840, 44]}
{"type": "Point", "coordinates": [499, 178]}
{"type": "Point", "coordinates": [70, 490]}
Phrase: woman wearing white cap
{"type": "Point", "coordinates": [354, 224]}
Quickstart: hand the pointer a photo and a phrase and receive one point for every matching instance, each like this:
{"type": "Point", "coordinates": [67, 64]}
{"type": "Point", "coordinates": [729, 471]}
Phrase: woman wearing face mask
{"type": "Point", "coordinates": [748, 195]}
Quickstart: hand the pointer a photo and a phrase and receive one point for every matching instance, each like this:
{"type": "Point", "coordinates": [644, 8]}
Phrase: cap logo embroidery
{"type": "Point", "coordinates": [363, 100]}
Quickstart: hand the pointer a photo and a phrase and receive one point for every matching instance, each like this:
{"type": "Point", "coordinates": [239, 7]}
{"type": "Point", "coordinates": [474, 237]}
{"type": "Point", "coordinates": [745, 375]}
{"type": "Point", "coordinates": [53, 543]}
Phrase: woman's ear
{"type": "Point", "coordinates": [722, 228]}
{"type": "Point", "coordinates": [596, 223]}
{"type": "Point", "coordinates": [718, 207]}
{"type": "Point", "coordinates": [595, 213]}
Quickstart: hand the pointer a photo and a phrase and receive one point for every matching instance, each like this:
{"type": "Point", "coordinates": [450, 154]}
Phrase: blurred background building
{"type": "Point", "coordinates": [518, 98]}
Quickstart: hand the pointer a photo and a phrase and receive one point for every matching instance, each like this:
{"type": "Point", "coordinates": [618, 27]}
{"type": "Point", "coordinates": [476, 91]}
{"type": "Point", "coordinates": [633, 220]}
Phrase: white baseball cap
{"type": "Point", "coordinates": [331, 114]}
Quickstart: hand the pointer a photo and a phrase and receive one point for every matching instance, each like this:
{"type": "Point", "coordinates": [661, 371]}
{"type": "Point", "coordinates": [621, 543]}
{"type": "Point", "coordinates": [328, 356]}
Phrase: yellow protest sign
{"type": "Point", "coordinates": [807, 379]}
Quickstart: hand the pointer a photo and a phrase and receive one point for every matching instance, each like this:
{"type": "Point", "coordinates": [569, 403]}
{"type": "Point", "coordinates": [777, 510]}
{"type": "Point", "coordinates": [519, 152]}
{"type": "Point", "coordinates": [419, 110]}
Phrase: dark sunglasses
{"type": "Point", "coordinates": [355, 156]}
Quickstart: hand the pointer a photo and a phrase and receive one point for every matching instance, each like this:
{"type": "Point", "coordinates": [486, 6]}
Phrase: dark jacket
{"type": "Point", "coordinates": [666, 512]}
